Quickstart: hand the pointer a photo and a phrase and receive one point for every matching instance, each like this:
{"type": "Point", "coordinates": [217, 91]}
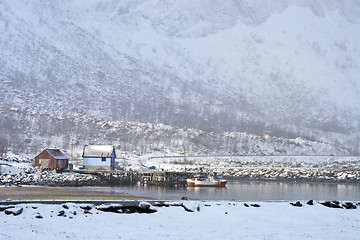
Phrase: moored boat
{"type": "Point", "coordinates": [208, 181]}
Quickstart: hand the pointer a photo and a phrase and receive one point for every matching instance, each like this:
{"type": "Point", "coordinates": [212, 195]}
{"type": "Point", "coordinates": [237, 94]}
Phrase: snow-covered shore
{"type": "Point", "coordinates": [18, 170]}
{"type": "Point", "coordinates": [179, 220]}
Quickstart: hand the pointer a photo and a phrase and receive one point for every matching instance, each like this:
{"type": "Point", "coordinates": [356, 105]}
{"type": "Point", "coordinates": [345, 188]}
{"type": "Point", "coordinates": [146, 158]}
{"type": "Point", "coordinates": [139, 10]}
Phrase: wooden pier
{"type": "Point", "coordinates": [163, 177]}
{"type": "Point", "coordinates": [142, 177]}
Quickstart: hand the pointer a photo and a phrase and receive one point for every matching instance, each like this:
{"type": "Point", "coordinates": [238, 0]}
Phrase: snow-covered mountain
{"type": "Point", "coordinates": [290, 66]}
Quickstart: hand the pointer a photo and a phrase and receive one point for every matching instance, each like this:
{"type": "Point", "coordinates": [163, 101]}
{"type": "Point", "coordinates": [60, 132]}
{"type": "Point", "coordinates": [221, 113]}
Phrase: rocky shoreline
{"type": "Point", "coordinates": [53, 178]}
{"type": "Point", "coordinates": [49, 178]}
{"type": "Point", "coordinates": [115, 205]}
{"type": "Point", "coordinates": [308, 174]}
{"type": "Point", "coordinates": [14, 172]}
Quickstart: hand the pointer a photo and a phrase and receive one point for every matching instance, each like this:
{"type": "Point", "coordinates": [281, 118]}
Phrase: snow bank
{"type": "Point", "coordinates": [210, 220]}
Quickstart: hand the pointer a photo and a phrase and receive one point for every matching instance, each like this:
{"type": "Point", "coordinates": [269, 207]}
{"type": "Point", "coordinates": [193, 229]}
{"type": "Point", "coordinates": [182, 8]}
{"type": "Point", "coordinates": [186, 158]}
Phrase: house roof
{"type": "Point", "coordinates": [57, 154]}
{"type": "Point", "coordinates": [98, 151]}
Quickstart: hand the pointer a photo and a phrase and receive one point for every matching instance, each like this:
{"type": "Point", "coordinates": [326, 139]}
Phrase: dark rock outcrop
{"type": "Point", "coordinates": [61, 213]}
{"type": "Point", "coordinates": [3, 208]}
{"type": "Point", "coordinates": [13, 211]}
{"type": "Point", "coordinates": [297, 204]}
{"type": "Point", "coordinates": [349, 205]}
{"type": "Point", "coordinates": [126, 209]}
{"type": "Point", "coordinates": [86, 208]}
{"type": "Point", "coordinates": [331, 204]}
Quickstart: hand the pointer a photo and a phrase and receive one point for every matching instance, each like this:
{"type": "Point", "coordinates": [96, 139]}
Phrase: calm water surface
{"type": "Point", "coordinates": [247, 190]}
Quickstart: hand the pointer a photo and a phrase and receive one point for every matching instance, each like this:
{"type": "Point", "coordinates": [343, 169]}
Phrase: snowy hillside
{"type": "Point", "coordinates": [290, 67]}
{"type": "Point", "coordinates": [136, 139]}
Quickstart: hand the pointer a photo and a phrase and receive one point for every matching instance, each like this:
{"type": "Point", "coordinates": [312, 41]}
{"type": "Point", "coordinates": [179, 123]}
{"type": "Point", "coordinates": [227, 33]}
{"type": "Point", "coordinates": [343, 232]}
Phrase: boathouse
{"type": "Point", "coordinates": [52, 159]}
{"type": "Point", "coordinates": [99, 157]}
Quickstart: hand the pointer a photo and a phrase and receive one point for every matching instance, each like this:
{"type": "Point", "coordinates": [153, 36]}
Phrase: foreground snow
{"type": "Point", "coordinates": [209, 220]}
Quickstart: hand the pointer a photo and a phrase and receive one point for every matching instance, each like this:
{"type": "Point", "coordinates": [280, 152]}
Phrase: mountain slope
{"type": "Point", "coordinates": [137, 139]}
{"type": "Point", "coordinates": [290, 67]}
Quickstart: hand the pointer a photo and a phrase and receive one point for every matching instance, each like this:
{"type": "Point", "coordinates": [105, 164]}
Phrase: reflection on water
{"type": "Point", "coordinates": [247, 190]}
{"type": "Point", "coordinates": [260, 190]}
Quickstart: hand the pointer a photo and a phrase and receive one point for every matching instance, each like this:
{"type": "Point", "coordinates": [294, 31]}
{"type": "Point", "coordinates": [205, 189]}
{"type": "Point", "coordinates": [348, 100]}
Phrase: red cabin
{"type": "Point", "coordinates": [52, 159]}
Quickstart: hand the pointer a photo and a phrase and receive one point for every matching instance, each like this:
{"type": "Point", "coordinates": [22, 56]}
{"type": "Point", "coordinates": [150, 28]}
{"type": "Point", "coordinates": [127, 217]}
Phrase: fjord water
{"type": "Point", "coordinates": [246, 190]}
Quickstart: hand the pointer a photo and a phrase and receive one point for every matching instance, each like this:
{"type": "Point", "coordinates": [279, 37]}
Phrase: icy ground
{"type": "Point", "coordinates": [202, 220]}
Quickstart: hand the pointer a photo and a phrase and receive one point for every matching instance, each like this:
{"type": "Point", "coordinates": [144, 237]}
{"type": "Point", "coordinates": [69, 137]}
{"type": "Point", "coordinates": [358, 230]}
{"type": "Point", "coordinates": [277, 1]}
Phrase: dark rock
{"type": "Point", "coordinates": [34, 207]}
{"type": "Point", "coordinates": [349, 205]}
{"type": "Point", "coordinates": [333, 204]}
{"type": "Point", "coordinates": [297, 204]}
{"type": "Point", "coordinates": [144, 205]}
{"type": "Point", "coordinates": [246, 205]}
{"type": "Point", "coordinates": [255, 205]}
{"type": "Point", "coordinates": [186, 208]}
{"type": "Point", "coordinates": [326, 204]}
{"type": "Point", "coordinates": [61, 213]}
{"type": "Point", "coordinates": [87, 208]}
{"type": "Point", "coordinates": [125, 209]}
{"type": "Point", "coordinates": [65, 206]}
{"type": "Point", "coordinates": [39, 216]}
{"type": "Point", "coordinates": [3, 208]}
{"type": "Point", "coordinates": [161, 204]}
{"type": "Point", "coordinates": [148, 210]}
{"type": "Point", "coordinates": [14, 212]}
{"type": "Point", "coordinates": [135, 209]}
{"type": "Point", "coordinates": [310, 202]}
{"type": "Point", "coordinates": [184, 198]}
{"type": "Point", "coordinates": [114, 209]}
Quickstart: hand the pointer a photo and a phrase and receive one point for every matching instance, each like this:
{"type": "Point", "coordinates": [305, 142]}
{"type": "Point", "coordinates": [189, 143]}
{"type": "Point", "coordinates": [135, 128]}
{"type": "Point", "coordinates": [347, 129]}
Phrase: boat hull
{"type": "Point", "coordinates": [205, 183]}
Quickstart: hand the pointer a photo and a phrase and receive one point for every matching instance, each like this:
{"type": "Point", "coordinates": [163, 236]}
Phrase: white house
{"type": "Point", "coordinates": [99, 157]}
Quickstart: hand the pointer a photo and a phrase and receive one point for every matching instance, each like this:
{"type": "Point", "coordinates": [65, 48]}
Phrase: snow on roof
{"type": "Point", "coordinates": [98, 151]}
{"type": "Point", "coordinates": [57, 154]}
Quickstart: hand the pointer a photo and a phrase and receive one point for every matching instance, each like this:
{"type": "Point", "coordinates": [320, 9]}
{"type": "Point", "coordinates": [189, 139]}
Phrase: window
{"type": "Point", "coordinates": [103, 159]}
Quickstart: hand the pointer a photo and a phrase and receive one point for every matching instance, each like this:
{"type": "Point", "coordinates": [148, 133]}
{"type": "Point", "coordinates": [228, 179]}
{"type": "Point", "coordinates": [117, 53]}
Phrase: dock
{"type": "Point", "coordinates": [143, 177]}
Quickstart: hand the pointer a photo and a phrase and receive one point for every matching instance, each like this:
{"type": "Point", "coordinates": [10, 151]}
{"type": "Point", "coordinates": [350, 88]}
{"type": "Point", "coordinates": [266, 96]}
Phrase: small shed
{"type": "Point", "coordinates": [52, 159]}
{"type": "Point", "coordinates": [99, 157]}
